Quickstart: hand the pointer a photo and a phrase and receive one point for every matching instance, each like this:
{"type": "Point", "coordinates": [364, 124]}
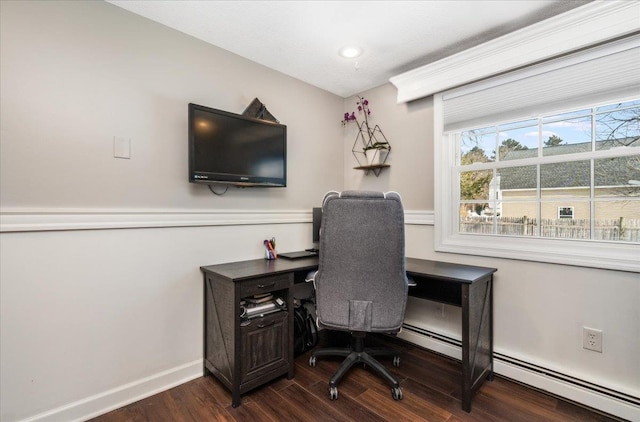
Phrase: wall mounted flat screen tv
{"type": "Point", "coordinates": [228, 148]}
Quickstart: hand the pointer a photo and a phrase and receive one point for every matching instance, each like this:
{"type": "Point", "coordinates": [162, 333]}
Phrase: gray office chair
{"type": "Point", "coordinates": [361, 285]}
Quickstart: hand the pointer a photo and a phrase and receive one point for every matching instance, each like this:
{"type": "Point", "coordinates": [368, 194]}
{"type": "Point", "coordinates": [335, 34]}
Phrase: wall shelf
{"type": "Point", "coordinates": [376, 168]}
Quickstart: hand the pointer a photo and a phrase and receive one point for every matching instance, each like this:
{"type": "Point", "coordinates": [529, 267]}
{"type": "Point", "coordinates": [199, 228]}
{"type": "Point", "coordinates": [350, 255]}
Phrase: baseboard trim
{"type": "Point", "coordinates": [115, 398]}
{"type": "Point", "coordinates": [566, 386]}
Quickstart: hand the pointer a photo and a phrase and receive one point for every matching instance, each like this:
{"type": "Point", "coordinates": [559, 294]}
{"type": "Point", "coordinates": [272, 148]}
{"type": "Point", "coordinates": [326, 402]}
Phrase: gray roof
{"type": "Point", "coordinates": [608, 172]}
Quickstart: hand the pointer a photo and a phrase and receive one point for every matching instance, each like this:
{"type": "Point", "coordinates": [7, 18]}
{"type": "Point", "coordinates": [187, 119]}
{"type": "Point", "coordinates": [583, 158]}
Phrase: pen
{"type": "Point", "coordinates": [267, 246]}
{"type": "Point", "coordinates": [272, 245]}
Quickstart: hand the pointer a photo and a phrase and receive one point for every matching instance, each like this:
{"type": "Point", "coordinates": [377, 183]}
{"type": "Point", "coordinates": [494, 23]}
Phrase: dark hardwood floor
{"type": "Point", "coordinates": [430, 384]}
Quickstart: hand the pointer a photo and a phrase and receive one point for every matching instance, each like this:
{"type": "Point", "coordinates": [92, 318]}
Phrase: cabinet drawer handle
{"type": "Point", "coordinates": [264, 286]}
{"type": "Point", "coordinates": [262, 325]}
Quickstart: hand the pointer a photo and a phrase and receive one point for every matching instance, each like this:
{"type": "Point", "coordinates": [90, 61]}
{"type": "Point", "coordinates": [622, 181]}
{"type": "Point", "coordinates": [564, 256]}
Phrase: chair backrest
{"type": "Point", "coordinates": [361, 283]}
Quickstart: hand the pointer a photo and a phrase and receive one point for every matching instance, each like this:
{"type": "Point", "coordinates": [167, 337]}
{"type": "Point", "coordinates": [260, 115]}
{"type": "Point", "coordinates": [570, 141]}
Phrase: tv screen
{"type": "Point", "coordinates": [229, 148]}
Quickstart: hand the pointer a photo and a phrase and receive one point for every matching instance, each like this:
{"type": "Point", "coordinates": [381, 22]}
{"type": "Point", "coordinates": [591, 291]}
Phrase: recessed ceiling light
{"type": "Point", "coordinates": [350, 52]}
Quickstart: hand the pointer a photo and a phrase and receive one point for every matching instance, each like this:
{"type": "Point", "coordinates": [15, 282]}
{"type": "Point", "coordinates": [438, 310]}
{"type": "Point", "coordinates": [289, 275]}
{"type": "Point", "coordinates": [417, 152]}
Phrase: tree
{"type": "Point", "coordinates": [474, 155]}
{"type": "Point", "coordinates": [475, 184]}
{"type": "Point", "coordinates": [553, 141]}
{"type": "Point", "coordinates": [619, 127]}
{"type": "Point", "coordinates": [509, 145]}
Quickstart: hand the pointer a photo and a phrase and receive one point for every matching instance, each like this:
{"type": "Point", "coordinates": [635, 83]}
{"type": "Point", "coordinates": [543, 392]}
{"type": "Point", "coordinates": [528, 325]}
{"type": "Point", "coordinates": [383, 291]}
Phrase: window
{"type": "Point", "coordinates": [577, 167]}
{"type": "Point", "coordinates": [565, 212]}
{"type": "Point", "coordinates": [544, 163]}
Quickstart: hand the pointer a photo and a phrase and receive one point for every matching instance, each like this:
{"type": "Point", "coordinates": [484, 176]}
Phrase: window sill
{"type": "Point", "coordinates": [611, 256]}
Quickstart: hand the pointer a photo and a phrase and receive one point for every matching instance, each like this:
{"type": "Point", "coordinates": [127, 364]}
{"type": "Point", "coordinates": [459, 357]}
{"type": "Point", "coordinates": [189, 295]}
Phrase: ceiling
{"type": "Point", "coordinates": [302, 38]}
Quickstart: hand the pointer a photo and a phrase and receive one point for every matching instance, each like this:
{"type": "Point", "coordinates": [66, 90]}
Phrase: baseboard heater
{"type": "Point", "coordinates": [586, 385]}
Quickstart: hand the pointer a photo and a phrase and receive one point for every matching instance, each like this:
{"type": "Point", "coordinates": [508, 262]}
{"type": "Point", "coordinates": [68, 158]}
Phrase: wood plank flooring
{"type": "Point", "coordinates": [430, 384]}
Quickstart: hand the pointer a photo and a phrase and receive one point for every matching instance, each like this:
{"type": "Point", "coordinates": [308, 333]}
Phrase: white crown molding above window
{"type": "Point", "coordinates": [31, 220]}
{"type": "Point", "coordinates": [584, 26]}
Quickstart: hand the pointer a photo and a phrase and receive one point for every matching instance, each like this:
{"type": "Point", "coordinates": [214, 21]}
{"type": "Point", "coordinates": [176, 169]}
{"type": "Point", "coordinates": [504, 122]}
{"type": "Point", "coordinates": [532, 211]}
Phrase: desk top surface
{"type": "Point", "coordinates": [446, 271]}
{"type": "Point", "coordinates": [242, 270]}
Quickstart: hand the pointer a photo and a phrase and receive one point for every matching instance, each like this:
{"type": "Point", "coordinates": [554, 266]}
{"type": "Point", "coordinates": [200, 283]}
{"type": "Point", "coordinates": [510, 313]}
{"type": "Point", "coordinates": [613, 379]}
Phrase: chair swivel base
{"type": "Point", "coordinates": [359, 354]}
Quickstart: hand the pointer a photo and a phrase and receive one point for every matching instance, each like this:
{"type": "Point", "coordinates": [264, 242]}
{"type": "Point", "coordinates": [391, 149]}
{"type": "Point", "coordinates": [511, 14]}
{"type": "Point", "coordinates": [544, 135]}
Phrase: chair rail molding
{"type": "Point", "coordinates": [585, 26]}
{"type": "Point", "coordinates": [419, 218]}
{"type": "Point", "coordinates": [28, 220]}
{"type": "Point", "coordinates": [34, 220]}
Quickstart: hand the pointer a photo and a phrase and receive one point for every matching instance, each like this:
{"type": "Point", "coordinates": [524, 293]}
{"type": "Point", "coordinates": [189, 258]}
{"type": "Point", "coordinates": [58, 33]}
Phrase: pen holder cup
{"type": "Point", "coordinates": [268, 255]}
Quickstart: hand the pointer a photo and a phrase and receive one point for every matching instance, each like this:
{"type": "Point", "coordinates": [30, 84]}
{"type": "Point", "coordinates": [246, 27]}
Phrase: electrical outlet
{"type": "Point", "coordinates": [592, 339]}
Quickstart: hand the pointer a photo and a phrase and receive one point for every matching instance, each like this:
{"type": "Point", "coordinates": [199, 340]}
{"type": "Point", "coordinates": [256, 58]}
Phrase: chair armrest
{"type": "Point", "coordinates": [311, 276]}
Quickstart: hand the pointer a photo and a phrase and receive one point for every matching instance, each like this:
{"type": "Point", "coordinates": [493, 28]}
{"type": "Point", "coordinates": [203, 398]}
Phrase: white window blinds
{"type": "Point", "coordinates": [598, 74]}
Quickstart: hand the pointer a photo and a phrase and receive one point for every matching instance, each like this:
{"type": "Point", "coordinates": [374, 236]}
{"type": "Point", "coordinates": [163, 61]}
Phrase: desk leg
{"type": "Point", "coordinates": [477, 338]}
{"type": "Point", "coordinates": [235, 397]}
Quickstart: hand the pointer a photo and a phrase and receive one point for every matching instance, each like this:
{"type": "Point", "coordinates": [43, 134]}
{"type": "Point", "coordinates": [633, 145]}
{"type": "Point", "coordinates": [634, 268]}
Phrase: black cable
{"type": "Point", "coordinates": [216, 193]}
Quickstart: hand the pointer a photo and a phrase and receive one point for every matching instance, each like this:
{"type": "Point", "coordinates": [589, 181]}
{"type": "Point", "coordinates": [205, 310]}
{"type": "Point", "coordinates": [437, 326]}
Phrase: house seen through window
{"type": "Point", "coordinates": [574, 175]}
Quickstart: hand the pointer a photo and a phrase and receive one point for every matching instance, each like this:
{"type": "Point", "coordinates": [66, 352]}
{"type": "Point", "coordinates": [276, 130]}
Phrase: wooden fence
{"type": "Point", "coordinates": [621, 229]}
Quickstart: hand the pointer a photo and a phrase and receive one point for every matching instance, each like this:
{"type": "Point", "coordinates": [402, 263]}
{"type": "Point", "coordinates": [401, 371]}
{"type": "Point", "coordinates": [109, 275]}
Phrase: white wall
{"type": "Point", "coordinates": [539, 308]}
{"type": "Point", "coordinates": [408, 128]}
{"type": "Point", "coordinates": [91, 318]}
{"type": "Point", "coordinates": [76, 74]}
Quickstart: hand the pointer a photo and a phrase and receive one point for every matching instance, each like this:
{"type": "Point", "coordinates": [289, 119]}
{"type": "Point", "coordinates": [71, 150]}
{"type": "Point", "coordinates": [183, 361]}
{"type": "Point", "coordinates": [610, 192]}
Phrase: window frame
{"type": "Point", "coordinates": [447, 238]}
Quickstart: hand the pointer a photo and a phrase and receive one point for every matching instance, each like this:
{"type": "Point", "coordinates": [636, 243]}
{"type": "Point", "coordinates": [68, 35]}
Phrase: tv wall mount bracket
{"type": "Point", "coordinates": [259, 111]}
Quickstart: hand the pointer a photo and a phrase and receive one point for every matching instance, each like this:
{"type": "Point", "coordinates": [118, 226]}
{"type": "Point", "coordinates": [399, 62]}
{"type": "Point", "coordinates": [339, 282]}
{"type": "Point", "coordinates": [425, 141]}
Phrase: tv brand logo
{"type": "Point", "coordinates": [197, 176]}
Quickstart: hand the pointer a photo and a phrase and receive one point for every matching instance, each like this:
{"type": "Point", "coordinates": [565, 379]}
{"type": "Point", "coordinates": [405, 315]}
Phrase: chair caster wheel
{"type": "Point", "coordinates": [396, 393]}
{"type": "Point", "coordinates": [312, 361]}
{"type": "Point", "coordinates": [333, 393]}
{"type": "Point", "coordinates": [396, 361]}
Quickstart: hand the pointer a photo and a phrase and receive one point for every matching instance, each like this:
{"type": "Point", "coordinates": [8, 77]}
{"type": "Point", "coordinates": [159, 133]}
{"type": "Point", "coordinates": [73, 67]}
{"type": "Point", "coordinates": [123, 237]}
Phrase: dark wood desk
{"type": "Point", "coordinates": [466, 286]}
{"type": "Point", "coordinates": [470, 288]}
{"type": "Point", "coordinates": [245, 354]}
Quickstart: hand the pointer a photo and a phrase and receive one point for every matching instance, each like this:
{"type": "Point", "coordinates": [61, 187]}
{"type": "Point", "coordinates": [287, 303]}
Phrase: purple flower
{"type": "Point", "coordinates": [363, 106]}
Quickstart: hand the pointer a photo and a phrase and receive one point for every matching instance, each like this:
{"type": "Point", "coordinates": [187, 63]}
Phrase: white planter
{"type": "Point", "coordinates": [375, 156]}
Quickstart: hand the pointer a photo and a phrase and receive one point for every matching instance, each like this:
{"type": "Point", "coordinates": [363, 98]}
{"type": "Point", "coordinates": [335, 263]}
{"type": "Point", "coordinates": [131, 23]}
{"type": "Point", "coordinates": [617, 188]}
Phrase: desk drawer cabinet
{"type": "Point", "coordinates": [244, 354]}
{"type": "Point", "coordinates": [264, 285]}
{"type": "Point", "coordinates": [264, 346]}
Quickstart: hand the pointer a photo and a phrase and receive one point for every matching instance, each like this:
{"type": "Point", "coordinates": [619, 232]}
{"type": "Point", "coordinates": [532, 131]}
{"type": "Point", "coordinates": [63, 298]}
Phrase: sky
{"type": "Point", "coordinates": [573, 128]}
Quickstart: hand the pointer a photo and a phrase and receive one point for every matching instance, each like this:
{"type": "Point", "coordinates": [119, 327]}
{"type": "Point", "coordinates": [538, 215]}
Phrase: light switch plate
{"type": "Point", "coordinates": [121, 147]}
